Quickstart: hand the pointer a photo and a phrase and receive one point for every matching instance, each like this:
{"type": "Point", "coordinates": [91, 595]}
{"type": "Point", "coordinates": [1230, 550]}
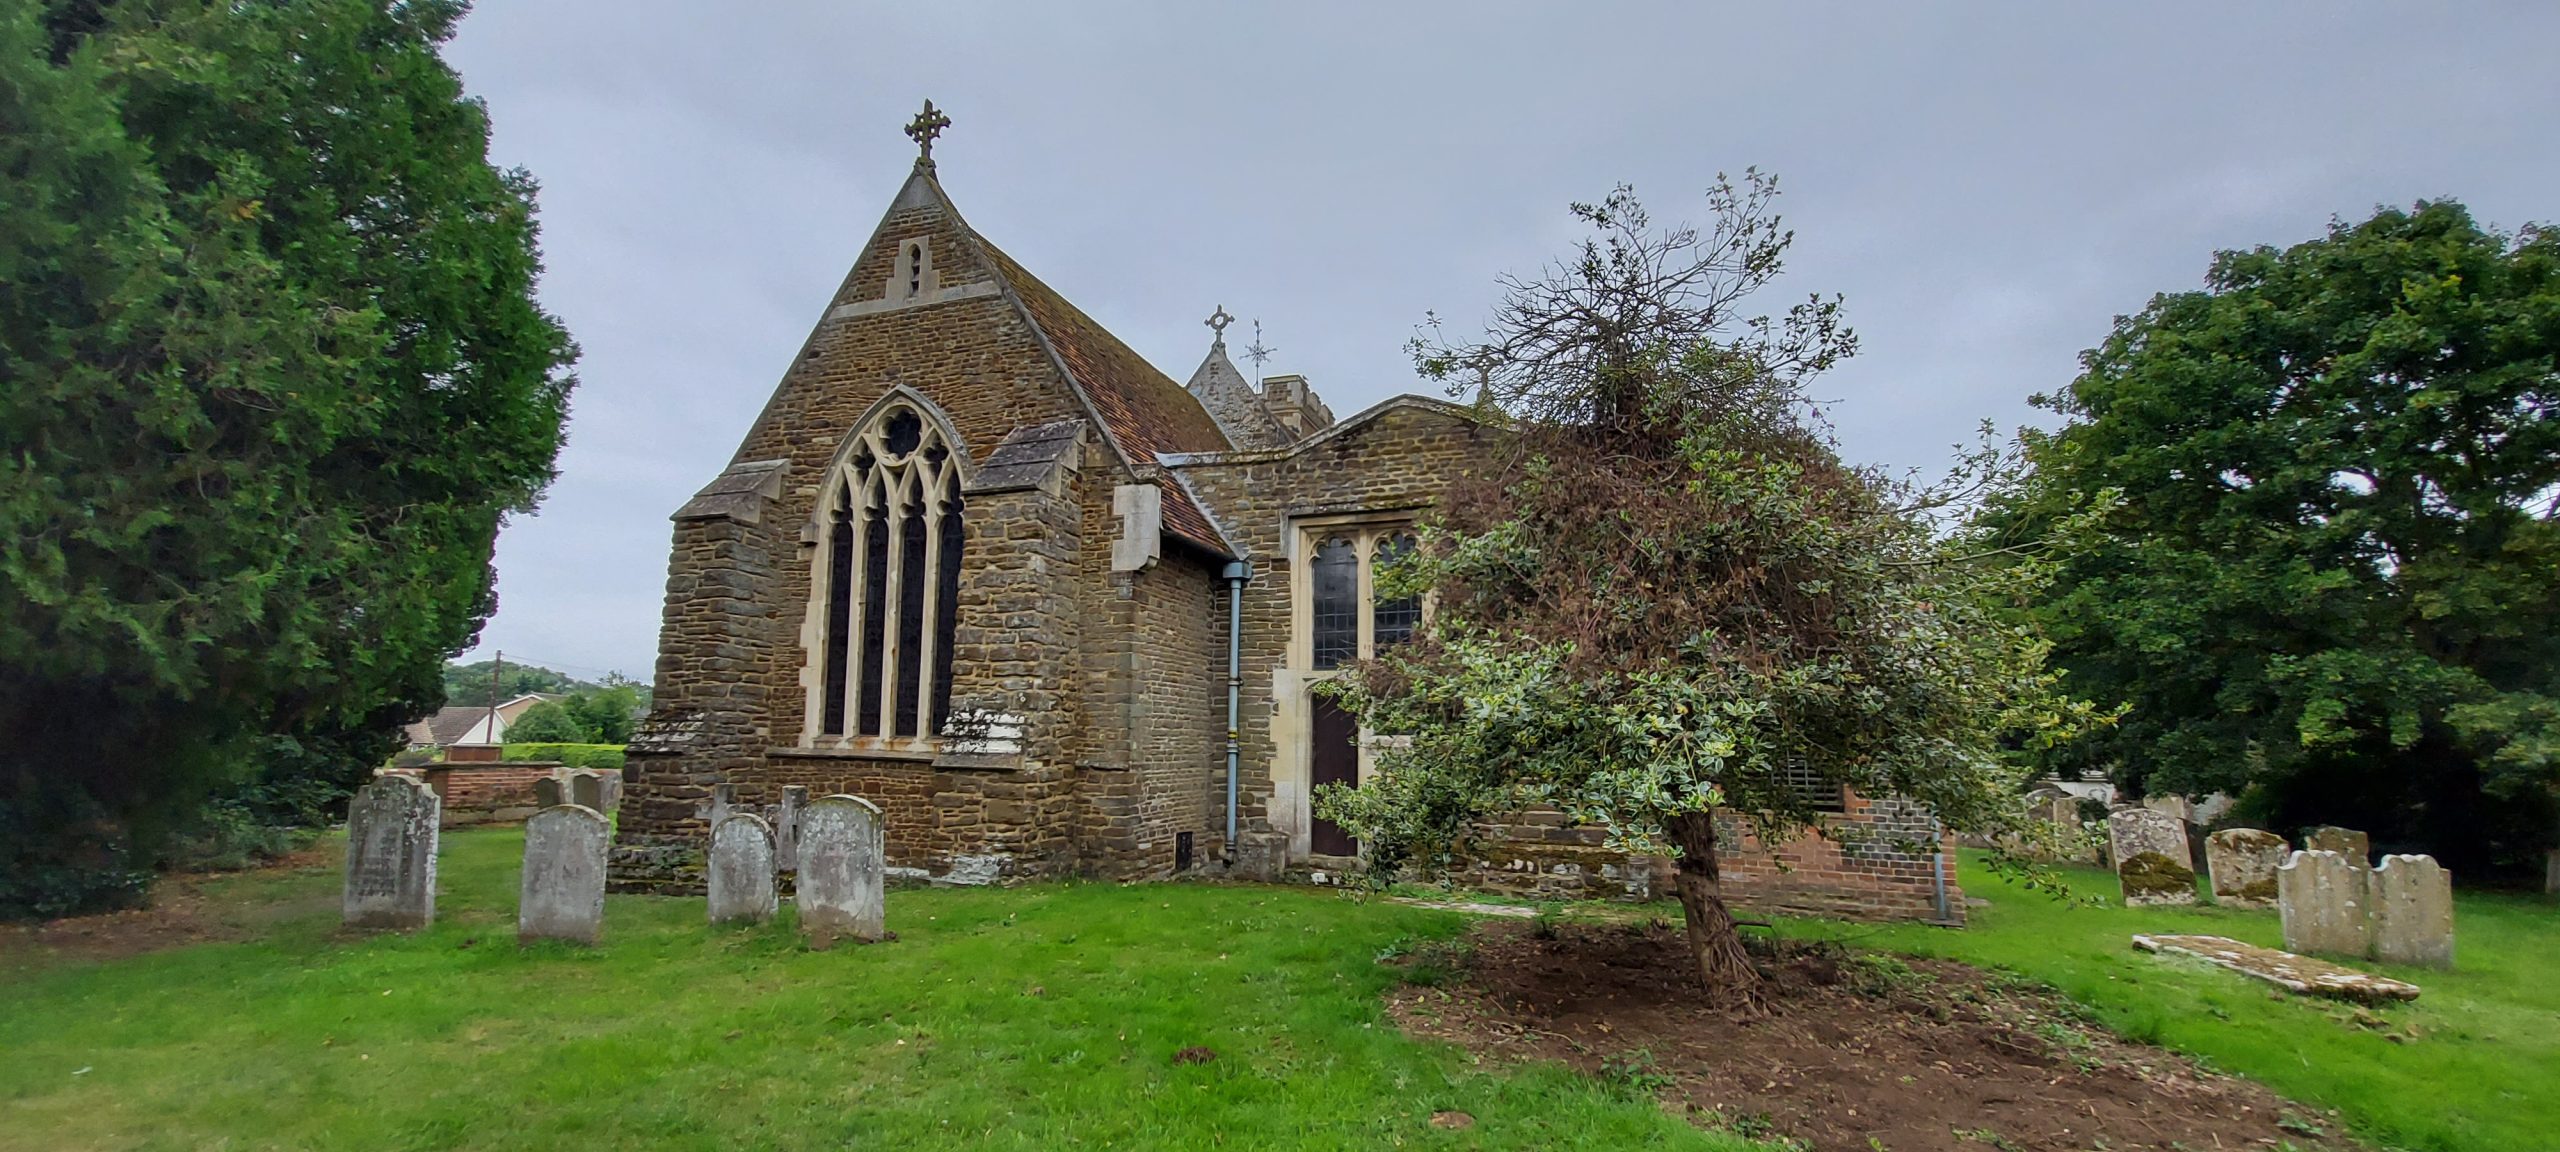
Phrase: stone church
{"type": "Point", "coordinates": [979, 562]}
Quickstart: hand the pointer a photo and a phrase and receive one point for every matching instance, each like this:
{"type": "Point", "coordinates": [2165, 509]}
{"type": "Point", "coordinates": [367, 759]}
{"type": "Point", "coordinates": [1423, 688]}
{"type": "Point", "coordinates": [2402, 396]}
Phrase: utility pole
{"type": "Point", "coordinates": [497, 672]}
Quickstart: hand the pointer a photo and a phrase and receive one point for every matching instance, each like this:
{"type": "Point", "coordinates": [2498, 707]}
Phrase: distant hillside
{"type": "Point", "coordinates": [468, 684]}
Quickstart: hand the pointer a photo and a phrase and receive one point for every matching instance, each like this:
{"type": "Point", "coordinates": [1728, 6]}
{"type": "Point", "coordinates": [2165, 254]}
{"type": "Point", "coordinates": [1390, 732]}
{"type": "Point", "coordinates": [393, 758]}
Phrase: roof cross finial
{"type": "Point", "coordinates": [927, 125]}
{"type": "Point", "coordinates": [1218, 322]}
{"type": "Point", "coordinates": [1257, 352]}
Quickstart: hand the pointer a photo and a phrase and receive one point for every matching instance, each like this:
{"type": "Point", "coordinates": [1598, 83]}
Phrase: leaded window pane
{"type": "Point", "coordinates": [1337, 603]}
{"type": "Point", "coordinates": [875, 624]}
{"type": "Point", "coordinates": [839, 620]}
{"type": "Point", "coordinates": [911, 586]}
{"type": "Point", "coordinates": [947, 608]}
{"type": "Point", "coordinates": [1394, 619]}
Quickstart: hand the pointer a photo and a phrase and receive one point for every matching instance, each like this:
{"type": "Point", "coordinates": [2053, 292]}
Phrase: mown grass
{"type": "Point", "coordinates": [2472, 1066]}
{"type": "Point", "coordinates": [1039, 1017]}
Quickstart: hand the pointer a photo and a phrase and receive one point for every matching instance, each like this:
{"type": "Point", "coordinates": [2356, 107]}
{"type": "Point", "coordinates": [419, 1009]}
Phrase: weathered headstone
{"type": "Point", "coordinates": [724, 799]}
{"type": "Point", "coordinates": [2323, 898]}
{"type": "Point", "coordinates": [2242, 863]}
{"type": "Point", "coordinates": [786, 828]}
{"type": "Point", "coordinates": [391, 854]}
{"type": "Point", "coordinates": [2413, 912]}
{"type": "Point", "coordinates": [586, 790]}
{"type": "Point", "coordinates": [2347, 842]}
{"type": "Point", "coordinates": [549, 793]}
{"type": "Point", "coordinates": [2151, 857]}
{"type": "Point", "coordinates": [843, 865]}
{"type": "Point", "coordinates": [740, 864]}
{"type": "Point", "coordinates": [562, 896]}
{"type": "Point", "coordinates": [612, 785]}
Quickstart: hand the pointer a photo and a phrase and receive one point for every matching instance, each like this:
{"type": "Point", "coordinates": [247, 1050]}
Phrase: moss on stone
{"type": "Point", "coordinates": [2153, 874]}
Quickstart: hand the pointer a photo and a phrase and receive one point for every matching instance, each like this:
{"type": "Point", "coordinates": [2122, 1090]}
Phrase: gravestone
{"type": "Point", "coordinates": [842, 867]}
{"type": "Point", "coordinates": [724, 798]}
{"type": "Point", "coordinates": [2242, 864]}
{"type": "Point", "coordinates": [548, 793]}
{"type": "Point", "coordinates": [740, 864]}
{"type": "Point", "coordinates": [562, 895]}
{"type": "Point", "coordinates": [391, 854]}
{"type": "Point", "coordinates": [2323, 899]}
{"type": "Point", "coordinates": [600, 790]}
{"type": "Point", "coordinates": [2413, 912]}
{"type": "Point", "coordinates": [2151, 857]}
{"type": "Point", "coordinates": [2345, 842]}
{"type": "Point", "coordinates": [786, 828]}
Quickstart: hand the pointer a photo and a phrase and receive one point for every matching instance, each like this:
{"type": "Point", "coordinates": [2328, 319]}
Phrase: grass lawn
{"type": "Point", "coordinates": [1037, 1017]}
{"type": "Point", "coordinates": [2472, 1066]}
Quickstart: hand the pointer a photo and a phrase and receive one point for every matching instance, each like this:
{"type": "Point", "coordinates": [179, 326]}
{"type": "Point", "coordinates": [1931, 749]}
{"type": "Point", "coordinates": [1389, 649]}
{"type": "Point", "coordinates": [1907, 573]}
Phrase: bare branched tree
{"type": "Point", "coordinates": [1641, 329]}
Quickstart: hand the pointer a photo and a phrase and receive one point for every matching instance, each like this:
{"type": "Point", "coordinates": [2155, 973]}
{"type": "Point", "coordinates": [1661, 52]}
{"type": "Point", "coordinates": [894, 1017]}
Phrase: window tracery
{"type": "Point", "coordinates": [890, 581]}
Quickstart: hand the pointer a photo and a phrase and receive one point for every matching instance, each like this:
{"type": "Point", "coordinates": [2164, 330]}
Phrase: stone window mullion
{"type": "Point", "coordinates": [890, 657]}
{"type": "Point", "coordinates": [859, 573]}
{"type": "Point", "coordinates": [929, 506]}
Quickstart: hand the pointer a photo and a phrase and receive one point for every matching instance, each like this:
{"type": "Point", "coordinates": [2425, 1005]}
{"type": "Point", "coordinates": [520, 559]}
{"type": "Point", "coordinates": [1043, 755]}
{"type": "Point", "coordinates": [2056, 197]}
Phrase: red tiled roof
{"type": "Point", "coordinates": [1147, 412]}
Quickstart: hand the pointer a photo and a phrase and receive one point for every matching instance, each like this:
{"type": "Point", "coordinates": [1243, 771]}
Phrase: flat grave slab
{"type": "Point", "coordinates": [2299, 974]}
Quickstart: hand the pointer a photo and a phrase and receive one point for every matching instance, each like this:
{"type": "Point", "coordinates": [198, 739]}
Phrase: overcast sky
{"type": "Point", "coordinates": [1987, 184]}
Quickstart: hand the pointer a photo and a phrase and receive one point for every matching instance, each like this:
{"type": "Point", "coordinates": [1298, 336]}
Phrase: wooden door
{"type": "Point", "coordinates": [1334, 758]}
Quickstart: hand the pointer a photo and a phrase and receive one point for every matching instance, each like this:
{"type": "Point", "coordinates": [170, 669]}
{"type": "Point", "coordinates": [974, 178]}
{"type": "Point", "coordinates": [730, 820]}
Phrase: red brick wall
{"type": "Point", "coordinates": [486, 793]}
{"type": "Point", "coordinates": [1869, 862]}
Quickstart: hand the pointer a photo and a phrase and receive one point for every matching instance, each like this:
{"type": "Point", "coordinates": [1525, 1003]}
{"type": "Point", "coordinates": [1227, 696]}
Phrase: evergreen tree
{"type": "Point", "coordinates": [274, 375]}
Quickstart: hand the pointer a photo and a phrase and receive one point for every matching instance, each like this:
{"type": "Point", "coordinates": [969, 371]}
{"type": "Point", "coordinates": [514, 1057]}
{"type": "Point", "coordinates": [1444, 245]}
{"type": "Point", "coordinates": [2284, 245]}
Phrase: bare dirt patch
{"type": "Point", "coordinates": [180, 913]}
{"type": "Point", "coordinates": [1858, 1051]}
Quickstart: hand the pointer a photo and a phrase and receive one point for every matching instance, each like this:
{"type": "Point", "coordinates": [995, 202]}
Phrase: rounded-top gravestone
{"type": "Point", "coordinates": [548, 793]}
{"type": "Point", "coordinates": [2242, 864]}
{"type": "Point", "coordinates": [843, 868]}
{"type": "Point", "coordinates": [2151, 857]}
{"type": "Point", "coordinates": [562, 895]}
{"type": "Point", "coordinates": [2322, 896]}
{"type": "Point", "coordinates": [740, 868]}
{"type": "Point", "coordinates": [2413, 912]}
{"type": "Point", "coordinates": [391, 854]}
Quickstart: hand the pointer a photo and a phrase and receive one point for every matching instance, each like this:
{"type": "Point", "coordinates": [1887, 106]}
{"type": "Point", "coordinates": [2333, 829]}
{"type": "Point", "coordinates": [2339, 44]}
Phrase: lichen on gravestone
{"type": "Point", "coordinates": [392, 829]}
{"type": "Point", "coordinates": [561, 891]}
{"type": "Point", "coordinates": [739, 869]}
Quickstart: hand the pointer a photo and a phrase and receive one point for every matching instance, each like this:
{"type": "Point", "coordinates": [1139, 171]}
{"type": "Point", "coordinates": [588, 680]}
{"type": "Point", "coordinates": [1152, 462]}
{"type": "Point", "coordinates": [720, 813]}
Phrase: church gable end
{"type": "Point", "coordinates": [971, 564]}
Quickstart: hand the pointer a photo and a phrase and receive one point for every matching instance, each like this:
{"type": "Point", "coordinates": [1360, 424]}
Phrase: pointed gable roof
{"type": "Point", "coordinates": [1233, 402]}
{"type": "Point", "coordinates": [1143, 413]}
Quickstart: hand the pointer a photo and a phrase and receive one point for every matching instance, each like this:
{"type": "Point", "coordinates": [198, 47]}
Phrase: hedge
{"type": "Point", "coordinates": [606, 757]}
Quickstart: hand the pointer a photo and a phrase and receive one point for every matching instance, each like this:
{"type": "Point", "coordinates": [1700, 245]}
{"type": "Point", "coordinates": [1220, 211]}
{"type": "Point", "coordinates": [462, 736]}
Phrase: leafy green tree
{"type": "Point", "coordinates": [2329, 580]}
{"type": "Point", "coordinates": [548, 722]}
{"type": "Point", "coordinates": [604, 713]}
{"type": "Point", "coordinates": [1671, 609]}
{"type": "Point", "coordinates": [466, 685]}
{"type": "Point", "coordinates": [275, 373]}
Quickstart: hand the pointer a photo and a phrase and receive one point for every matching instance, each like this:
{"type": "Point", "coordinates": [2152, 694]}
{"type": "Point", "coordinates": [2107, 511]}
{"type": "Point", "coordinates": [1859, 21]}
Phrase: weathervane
{"type": "Point", "coordinates": [1218, 322]}
{"type": "Point", "coordinates": [927, 125]}
{"type": "Point", "coordinates": [1256, 351]}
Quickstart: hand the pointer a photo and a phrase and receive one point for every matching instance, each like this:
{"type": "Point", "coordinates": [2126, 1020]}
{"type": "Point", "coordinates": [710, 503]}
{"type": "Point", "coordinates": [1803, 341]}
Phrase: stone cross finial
{"type": "Point", "coordinates": [1218, 322]}
{"type": "Point", "coordinates": [927, 125]}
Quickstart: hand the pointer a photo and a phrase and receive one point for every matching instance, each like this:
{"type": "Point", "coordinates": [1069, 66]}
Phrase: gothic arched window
{"type": "Point", "coordinates": [891, 538]}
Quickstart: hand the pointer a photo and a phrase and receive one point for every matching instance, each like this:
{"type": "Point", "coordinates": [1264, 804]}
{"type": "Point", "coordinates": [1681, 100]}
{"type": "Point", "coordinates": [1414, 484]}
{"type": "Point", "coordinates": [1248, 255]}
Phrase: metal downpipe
{"type": "Point", "coordinates": [1237, 572]}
